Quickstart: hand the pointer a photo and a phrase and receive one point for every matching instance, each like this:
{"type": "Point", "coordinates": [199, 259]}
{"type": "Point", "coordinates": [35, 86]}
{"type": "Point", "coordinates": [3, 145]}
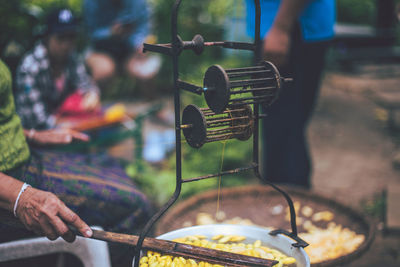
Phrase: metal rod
{"type": "Point", "coordinates": [208, 112]}
{"type": "Point", "coordinates": [232, 45]}
{"type": "Point", "coordinates": [217, 119]}
{"type": "Point", "coordinates": [246, 73]}
{"type": "Point", "coordinates": [228, 130]}
{"type": "Point", "coordinates": [210, 140]}
{"type": "Point", "coordinates": [190, 87]}
{"type": "Point", "coordinates": [250, 82]}
{"type": "Point", "coordinates": [220, 43]}
{"type": "Point", "coordinates": [253, 90]}
{"type": "Point", "coordinates": [248, 103]}
{"type": "Point", "coordinates": [253, 102]}
{"type": "Point", "coordinates": [253, 68]}
{"type": "Point", "coordinates": [224, 136]}
{"type": "Point", "coordinates": [257, 32]}
{"type": "Point", "coordinates": [247, 98]}
{"type": "Point", "coordinates": [186, 126]}
{"type": "Point", "coordinates": [233, 171]}
{"type": "Point", "coordinates": [220, 132]}
{"type": "Point", "coordinates": [230, 119]}
{"type": "Point", "coordinates": [222, 124]}
{"type": "Point", "coordinates": [250, 91]}
{"type": "Point", "coordinates": [214, 119]}
{"type": "Point", "coordinates": [158, 48]}
{"type": "Point", "coordinates": [177, 101]}
{"type": "Point", "coordinates": [225, 111]}
{"type": "Point", "coordinates": [215, 132]}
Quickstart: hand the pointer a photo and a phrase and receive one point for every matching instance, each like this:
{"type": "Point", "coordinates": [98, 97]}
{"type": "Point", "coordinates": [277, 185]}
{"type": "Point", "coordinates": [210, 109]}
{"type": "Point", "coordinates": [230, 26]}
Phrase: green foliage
{"type": "Point", "coordinates": [356, 11]}
{"type": "Point", "coordinates": [15, 21]}
{"type": "Point", "coordinates": [159, 182]}
{"type": "Point", "coordinates": [21, 24]}
{"type": "Point", "coordinates": [375, 207]}
{"type": "Point", "coordinates": [194, 17]}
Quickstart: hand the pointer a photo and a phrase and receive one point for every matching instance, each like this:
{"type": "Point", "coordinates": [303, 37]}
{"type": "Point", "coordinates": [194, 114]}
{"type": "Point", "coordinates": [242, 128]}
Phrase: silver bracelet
{"type": "Point", "coordinates": [23, 188]}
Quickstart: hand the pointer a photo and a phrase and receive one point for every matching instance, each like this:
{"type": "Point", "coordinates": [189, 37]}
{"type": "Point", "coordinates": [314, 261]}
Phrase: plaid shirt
{"type": "Point", "coordinates": [36, 96]}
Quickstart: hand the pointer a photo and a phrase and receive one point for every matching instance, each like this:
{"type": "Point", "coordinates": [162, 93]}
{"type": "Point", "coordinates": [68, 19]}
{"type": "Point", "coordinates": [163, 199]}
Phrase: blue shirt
{"type": "Point", "coordinates": [316, 20]}
{"type": "Point", "coordinates": [100, 15]}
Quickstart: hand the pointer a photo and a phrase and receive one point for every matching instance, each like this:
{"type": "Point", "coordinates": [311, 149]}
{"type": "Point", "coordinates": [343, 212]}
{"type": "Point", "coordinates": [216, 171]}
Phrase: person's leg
{"type": "Point", "coordinates": [314, 55]}
{"type": "Point", "coordinates": [286, 157]}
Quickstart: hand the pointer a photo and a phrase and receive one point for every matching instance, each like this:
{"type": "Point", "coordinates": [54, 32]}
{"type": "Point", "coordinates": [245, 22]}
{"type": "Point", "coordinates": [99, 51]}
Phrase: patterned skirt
{"type": "Point", "coordinates": [95, 186]}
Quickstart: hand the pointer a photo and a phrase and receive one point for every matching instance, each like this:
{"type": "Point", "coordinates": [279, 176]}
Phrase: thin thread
{"type": "Point", "coordinates": [220, 177]}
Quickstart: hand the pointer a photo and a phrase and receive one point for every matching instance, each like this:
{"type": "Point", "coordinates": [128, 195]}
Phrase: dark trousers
{"type": "Point", "coordinates": [286, 156]}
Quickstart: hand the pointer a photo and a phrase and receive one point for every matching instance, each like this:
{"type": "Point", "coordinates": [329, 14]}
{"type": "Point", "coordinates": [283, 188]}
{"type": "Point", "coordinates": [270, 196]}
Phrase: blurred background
{"type": "Point", "coordinates": [354, 133]}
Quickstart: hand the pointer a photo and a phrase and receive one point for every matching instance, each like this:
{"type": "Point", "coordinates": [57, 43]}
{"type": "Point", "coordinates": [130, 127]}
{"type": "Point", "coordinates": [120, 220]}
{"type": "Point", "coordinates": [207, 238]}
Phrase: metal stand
{"type": "Point", "coordinates": [218, 78]}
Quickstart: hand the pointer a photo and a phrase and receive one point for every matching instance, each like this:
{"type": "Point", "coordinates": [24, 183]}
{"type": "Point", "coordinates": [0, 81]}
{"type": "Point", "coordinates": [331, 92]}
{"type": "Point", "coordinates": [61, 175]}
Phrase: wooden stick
{"type": "Point", "coordinates": [165, 246]}
{"type": "Point", "coordinates": [184, 250]}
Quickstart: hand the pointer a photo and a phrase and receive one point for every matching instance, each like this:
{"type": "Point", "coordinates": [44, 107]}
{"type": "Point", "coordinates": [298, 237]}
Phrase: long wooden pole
{"type": "Point", "coordinates": [165, 247]}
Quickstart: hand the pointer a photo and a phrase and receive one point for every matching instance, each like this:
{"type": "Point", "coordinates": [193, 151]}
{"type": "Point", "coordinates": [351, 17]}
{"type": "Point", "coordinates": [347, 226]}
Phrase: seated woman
{"type": "Point", "coordinates": [62, 187]}
{"type": "Point", "coordinates": [51, 73]}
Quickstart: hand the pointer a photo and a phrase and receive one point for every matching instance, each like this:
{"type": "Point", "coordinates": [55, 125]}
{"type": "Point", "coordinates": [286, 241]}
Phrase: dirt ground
{"type": "Point", "coordinates": [351, 144]}
{"type": "Point", "coordinates": [353, 148]}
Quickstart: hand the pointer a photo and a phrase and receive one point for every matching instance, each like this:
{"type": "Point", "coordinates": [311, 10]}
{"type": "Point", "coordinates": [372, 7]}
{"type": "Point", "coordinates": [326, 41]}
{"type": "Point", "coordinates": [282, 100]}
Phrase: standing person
{"type": "Point", "coordinates": [296, 35]}
{"type": "Point", "coordinates": [52, 73]}
{"type": "Point", "coordinates": [117, 30]}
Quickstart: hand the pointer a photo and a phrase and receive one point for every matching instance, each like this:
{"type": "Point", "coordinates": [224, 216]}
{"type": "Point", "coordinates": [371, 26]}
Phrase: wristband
{"type": "Point", "coordinates": [23, 188]}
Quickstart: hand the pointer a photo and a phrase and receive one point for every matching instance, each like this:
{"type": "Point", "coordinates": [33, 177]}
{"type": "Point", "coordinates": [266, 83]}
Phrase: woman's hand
{"type": "Point", "coordinates": [45, 214]}
{"type": "Point", "coordinates": [56, 136]}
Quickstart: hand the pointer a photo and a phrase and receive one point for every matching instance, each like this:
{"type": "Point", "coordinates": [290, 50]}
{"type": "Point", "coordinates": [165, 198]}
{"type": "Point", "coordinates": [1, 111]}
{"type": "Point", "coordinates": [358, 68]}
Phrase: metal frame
{"type": "Point", "coordinates": [197, 44]}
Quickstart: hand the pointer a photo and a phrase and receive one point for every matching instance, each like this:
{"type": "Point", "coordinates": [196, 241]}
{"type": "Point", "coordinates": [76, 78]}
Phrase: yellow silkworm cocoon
{"type": "Point", "coordinates": [222, 242]}
{"type": "Point", "coordinates": [322, 216]}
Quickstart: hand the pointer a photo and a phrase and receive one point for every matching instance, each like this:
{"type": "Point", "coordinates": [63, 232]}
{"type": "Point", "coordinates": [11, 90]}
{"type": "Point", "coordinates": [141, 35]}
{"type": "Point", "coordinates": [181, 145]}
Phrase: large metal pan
{"type": "Point", "coordinates": [252, 233]}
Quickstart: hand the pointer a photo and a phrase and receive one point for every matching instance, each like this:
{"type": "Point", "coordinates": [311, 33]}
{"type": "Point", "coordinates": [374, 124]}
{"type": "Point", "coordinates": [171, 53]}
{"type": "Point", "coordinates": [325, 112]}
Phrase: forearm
{"type": "Point", "coordinates": [41, 212]}
{"type": "Point", "coordinates": [9, 189]}
{"type": "Point", "coordinates": [288, 14]}
{"type": "Point", "coordinates": [54, 136]}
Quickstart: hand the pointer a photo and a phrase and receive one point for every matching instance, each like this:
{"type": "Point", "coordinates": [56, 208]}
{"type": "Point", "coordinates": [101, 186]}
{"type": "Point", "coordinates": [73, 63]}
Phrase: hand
{"type": "Point", "coordinates": [116, 29]}
{"type": "Point", "coordinates": [121, 30]}
{"type": "Point", "coordinates": [45, 214]}
{"type": "Point", "coordinates": [57, 137]}
{"type": "Point", "coordinates": [276, 47]}
{"type": "Point", "coordinates": [90, 101]}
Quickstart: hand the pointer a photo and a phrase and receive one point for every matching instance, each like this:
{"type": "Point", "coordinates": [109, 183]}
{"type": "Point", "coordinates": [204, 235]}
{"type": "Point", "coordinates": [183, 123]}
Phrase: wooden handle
{"type": "Point", "coordinates": [163, 246]}
{"type": "Point", "coordinates": [184, 250]}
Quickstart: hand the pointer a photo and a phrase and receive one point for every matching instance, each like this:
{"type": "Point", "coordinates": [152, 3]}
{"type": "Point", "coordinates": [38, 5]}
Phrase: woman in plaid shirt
{"type": "Point", "coordinates": [50, 73]}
